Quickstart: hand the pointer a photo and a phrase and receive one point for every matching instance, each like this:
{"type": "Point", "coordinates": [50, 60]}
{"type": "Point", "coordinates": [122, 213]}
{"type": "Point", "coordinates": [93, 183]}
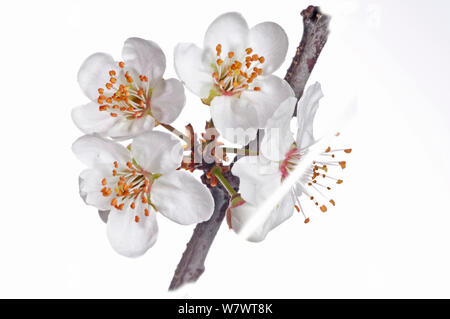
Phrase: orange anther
{"type": "Point", "coordinates": [136, 219]}
{"type": "Point", "coordinates": [109, 86]}
{"type": "Point", "coordinates": [121, 64]}
{"type": "Point", "coordinates": [114, 172]}
{"type": "Point", "coordinates": [219, 62]}
{"type": "Point", "coordinates": [297, 208]}
{"type": "Point", "coordinates": [307, 220]}
{"type": "Point", "coordinates": [114, 202]}
{"type": "Point", "coordinates": [261, 59]}
{"type": "Point", "coordinates": [116, 164]}
{"type": "Point", "coordinates": [235, 84]}
{"type": "Point", "coordinates": [332, 202]}
{"type": "Point", "coordinates": [146, 212]}
{"type": "Point", "coordinates": [323, 208]}
{"type": "Point", "coordinates": [104, 181]}
{"type": "Point", "coordinates": [101, 99]}
{"type": "Point", "coordinates": [133, 205]}
{"type": "Point", "coordinates": [248, 50]}
{"type": "Point", "coordinates": [348, 150]}
{"type": "Point", "coordinates": [113, 80]}
{"type": "Point", "coordinates": [129, 165]}
{"type": "Point", "coordinates": [230, 54]}
{"type": "Point", "coordinates": [342, 164]}
{"type": "Point", "coordinates": [257, 88]}
{"type": "Point", "coordinates": [113, 114]}
{"type": "Point", "coordinates": [339, 181]}
{"type": "Point", "coordinates": [112, 73]}
{"type": "Point", "coordinates": [101, 91]}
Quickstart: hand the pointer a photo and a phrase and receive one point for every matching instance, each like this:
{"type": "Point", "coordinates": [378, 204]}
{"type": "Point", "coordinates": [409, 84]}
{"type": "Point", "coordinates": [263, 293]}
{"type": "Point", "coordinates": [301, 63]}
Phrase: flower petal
{"type": "Point", "coordinates": [94, 151]}
{"type": "Point", "coordinates": [269, 40]}
{"type": "Point", "coordinates": [273, 91]}
{"type": "Point", "coordinates": [192, 70]}
{"type": "Point", "coordinates": [241, 215]}
{"type": "Point", "coordinates": [125, 128]}
{"type": "Point", "coordinates": [235, 118]}
{"type": "Point", "coordinates": [168, 100]}
{"type": "Point", "coordinates": [90, 188]}
{"type": "Point", "coordinates": [230, 30]}
{"type": "Point", "coordinates": [145, 56]}
{"type": "Point", "coordinates": [90, 120]}
{"type": "Point", "coordinates": [157, 152]}
{"type": "Point", "coordinates": [283, 211]}
{"type": "Point", "coordinates": [182, 198]}
{"type": "Point", "coordinates": [306, 110]}
{"type": "Point", "coordinates": [129, 238]}
{"type": "Point", "coordinates": [258, 178]}
{"type": "Point", "coordinates": [94, 73]}
{"type": "Point", "coordinates": [278, 137]}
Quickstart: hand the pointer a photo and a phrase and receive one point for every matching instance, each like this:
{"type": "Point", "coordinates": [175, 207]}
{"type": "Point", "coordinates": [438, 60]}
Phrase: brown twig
{"type": "Point", "coordinates": [192, 263]}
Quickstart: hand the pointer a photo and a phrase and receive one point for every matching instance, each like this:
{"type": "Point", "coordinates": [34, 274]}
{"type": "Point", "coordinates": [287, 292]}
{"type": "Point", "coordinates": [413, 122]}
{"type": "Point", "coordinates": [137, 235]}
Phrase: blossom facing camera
{"type": "Point", "coordinates": [233, 74]}
{"type": "Point", "coordinates": [281, 153]}
{"type": "Point", "coordinates": [129, 97]}
{"type": "Point", "coordinates": [135, 184]}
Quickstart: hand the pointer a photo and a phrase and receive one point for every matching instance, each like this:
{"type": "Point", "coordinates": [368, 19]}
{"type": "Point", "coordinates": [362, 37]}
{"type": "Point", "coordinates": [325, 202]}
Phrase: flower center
{"type": "Point", "coordinates": [236, 73]}
{"type": "Point", "coordinates": [130, 184]}
{"type": "Point", "coordinates": [125, 95]}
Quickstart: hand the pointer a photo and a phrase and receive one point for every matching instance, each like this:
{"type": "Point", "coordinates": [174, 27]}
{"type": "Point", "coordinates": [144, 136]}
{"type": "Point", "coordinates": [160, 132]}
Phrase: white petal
{"type": "Point", "coordinates": [269, 40]}
{"type": "Point", "coordinates": [125, 128]}
{"type": "Point", "coordinates": [89, 119]}
{"type": "Point", "coordinates": [306, 110]}
{"type": "Point", "coordinates": [241, 215]}
{"type": "Point", "coordinates": [230, 30]}
{"type": "Point", "coordinates": [145, 56]}
{"type": "Point", "coordinates": [129, 238]}
{"type": "Point", "coordinates": [95, 151]}
{"type": "Point", "coordinates": [258, 179]}
{"type": "Point", "coordinates": [193, 69]}
{"type": "Point", "coordinates": [278, 137]}
{"type": "Point", "coordinates": [182, 198]}
{"type": "Point", "coordinates": [94, 73]}
{"type": "Point", "coordinates": [168, 100]}
{"type": "Point", "coordinates": [157, 152]}
{"type": "Point", "coordinates": [236, 119]}
{"type": "Point", "coordinates": [90, 183]}
{"type": "Point", "coordinates": [283, 211]}
{"type": "Point", "coordinates": [273, 92]}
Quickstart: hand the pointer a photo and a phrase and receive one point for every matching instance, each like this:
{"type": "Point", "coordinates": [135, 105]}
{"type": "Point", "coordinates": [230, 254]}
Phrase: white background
{"type": "Point", "coordinates": [389, 234]}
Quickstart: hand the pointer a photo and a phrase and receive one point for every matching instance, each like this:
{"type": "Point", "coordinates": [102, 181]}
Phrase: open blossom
{"type": "Point", "coordinates": [127, 97]}
{"type": "Point", "coordinates": [281, 153]}
{"type": "Point", "coordinates": [135, 183]}
{"type": "Point", "coordinates": [233, 73]}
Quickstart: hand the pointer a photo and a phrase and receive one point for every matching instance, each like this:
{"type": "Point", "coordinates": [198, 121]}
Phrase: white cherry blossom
{"type": "Point", "coordinates": [127, 97]}
{"type": "Point", "coordinates": [136, 183]}
{"type": "Point", "coordinates": [233, 74]}
{"type": "Point", "coordinates": [280, 154]}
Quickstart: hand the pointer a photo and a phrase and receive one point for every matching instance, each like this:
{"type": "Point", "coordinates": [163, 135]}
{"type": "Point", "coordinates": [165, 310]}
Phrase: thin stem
{"type": "Point", "coordinates": [175, 131]}
{"type": "Point", "coordinates": [218, 173]}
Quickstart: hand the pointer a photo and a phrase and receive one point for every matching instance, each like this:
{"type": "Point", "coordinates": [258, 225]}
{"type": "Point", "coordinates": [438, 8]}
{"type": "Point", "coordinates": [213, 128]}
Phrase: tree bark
{"type": "Point", "coordinates": [192, 263]}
